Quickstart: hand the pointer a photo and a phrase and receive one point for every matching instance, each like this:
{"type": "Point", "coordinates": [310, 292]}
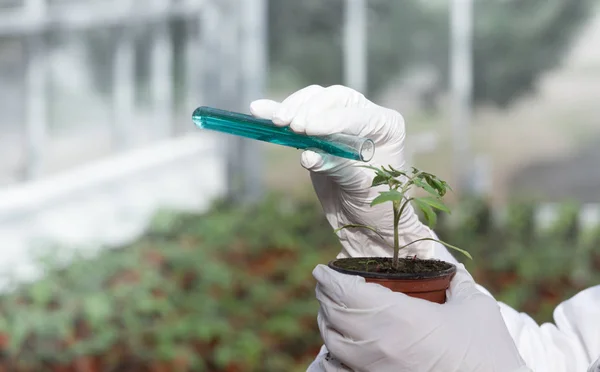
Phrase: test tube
{"type": "Point", "coordinates": [338, 144]}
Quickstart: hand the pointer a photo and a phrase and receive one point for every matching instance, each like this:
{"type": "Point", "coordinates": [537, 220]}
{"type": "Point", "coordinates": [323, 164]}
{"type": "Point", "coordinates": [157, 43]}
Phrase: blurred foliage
{"type": "Point", "coordinates": [522, 263]}
{"type": "Point", "coordinates": [228, 291]}
{"type": "Point", "coordinates": [514, 42]}
{"type": "Point", "coordinates": [231, 290]}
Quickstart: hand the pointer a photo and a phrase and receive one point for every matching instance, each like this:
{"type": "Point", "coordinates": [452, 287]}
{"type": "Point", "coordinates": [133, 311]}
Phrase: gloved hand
{"type": "Point", "coordinates": [343, 188]}
{"type": "Point", "coordinates": [367, 327]}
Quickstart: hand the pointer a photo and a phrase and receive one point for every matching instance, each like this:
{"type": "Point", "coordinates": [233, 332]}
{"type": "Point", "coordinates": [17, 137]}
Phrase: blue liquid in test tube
{"type": "Point", "coordinates": [339, 144]}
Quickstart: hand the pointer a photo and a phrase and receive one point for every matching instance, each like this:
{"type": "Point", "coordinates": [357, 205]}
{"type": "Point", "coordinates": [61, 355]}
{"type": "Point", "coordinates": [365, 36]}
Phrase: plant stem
{"type": "Point", "coordinates": [396, 243]}
{"type": "Point", "coordinates": [397, 215]}
{"type": "Point", "coordinates": [398, 209]}
{"type": "Point", "coordinates": [403, 207]}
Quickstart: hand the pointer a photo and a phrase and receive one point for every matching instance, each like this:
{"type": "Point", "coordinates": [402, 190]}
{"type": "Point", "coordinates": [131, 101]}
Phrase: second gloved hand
{"type": "Point", "coordinates": [367, 327]}
{"type": "Point", "coordinates": [342, 187]}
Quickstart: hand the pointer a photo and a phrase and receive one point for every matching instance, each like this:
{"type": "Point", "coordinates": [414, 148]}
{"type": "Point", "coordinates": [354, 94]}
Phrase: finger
{"type": "Point", "coordinates": [462, 285]}
{"type": "Point", "coordinates": [353, 324]}
{"type": "Point", "coordinates": [377, 123]}
{"type": "Point", "coordinates": [264, 108]}
{"type": "Point", "coordinates": [351, 291]}
{"type": "Point", "coordinates": [336, 96]}
{"type": "Point", "coordinates": [289, 107]}
{"type": "Point", "coordinates": [335, 317]}
{"type": "Point", "coordinates": [341, 347]}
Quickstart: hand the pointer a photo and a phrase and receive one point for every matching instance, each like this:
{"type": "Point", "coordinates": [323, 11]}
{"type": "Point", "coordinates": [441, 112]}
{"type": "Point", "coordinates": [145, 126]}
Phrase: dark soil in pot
{"type": "Point", "coordinates": [425, 279]}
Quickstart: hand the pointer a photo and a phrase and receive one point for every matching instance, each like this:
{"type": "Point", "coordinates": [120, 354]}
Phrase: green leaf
{"type": "Point", "coordinates": [379, 180]}
{"type": "Point", "coordinates": [394, 172]}
{"type": "Point", "coordinates": [384, 196]}
{"type": "Point", "coordinates": [381, 172]}
{"type": "Point", "coordinates": [435, 203]}
{"type": "Point", "coordinates": [441, 242]}
{"type": "Point", "coordinates": [456, 249]}
{"type": "Point", "coordinates": [436, 183]}
{"type": "Point", "coordinates": [418, 182]}
{"type": "Point", "coordinates": [430, 215]}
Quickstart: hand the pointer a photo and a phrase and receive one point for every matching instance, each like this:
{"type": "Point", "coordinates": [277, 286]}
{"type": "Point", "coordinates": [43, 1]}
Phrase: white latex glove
{"type": "Point", "coordinates": [367, 327]}
{"type": "Point", "coordinates": [343, 188]}
{"type": "Point", "coordinates": [570, 345]}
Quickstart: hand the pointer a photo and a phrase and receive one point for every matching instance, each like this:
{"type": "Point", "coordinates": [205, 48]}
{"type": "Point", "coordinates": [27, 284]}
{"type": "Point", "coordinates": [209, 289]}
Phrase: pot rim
{"type": "Point", "coordinates": [398, 276]}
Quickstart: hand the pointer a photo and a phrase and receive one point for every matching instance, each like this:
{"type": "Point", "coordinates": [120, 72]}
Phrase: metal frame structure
{"type": "Point", "coordinates": [215, 69]}
{"type": "Point", "coordinates": [107, 201]}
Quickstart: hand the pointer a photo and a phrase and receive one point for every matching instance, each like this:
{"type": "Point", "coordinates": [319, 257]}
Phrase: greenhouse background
{"type": "Point", "coordinates": [129, 236]}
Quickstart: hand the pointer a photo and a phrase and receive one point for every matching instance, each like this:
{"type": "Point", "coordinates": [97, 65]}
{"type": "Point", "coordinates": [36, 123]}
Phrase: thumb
{"type": "Point", "coordinates": [462, 285]}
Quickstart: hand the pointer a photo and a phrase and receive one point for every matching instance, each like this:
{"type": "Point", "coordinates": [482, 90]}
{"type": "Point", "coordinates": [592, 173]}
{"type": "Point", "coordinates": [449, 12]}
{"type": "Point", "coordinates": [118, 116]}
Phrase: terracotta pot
{"type": "Point", "coordinates": [430, 286]}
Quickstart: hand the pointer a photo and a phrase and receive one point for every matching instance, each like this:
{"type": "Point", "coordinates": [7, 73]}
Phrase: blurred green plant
{"type": "Point", "coordinates": [227, 291]}
{"type": "Point", "coordinates": [530, 268]}
{"type": "Point", "coordinates": [231, 290]}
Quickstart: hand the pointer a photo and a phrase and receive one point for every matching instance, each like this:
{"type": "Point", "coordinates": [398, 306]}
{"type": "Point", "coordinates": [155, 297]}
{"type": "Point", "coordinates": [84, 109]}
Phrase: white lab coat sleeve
{"type": "Point", "coordinates": [571, 344]}
{"type": "Point", "coordinates": [579, 319]}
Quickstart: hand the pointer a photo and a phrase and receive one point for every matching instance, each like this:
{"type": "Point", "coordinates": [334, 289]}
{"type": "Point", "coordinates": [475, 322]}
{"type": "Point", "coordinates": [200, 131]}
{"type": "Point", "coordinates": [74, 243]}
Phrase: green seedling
{"type": "Point", "coordinates": [400, 183]}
